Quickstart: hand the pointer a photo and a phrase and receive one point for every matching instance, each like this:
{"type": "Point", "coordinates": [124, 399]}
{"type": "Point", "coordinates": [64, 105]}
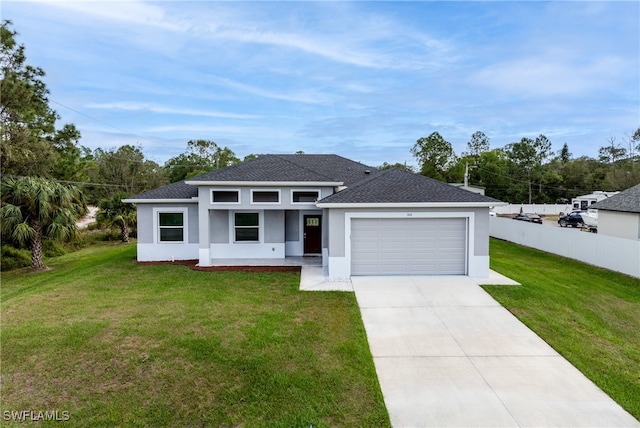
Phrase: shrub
{"type": "Point", "coordinates": [13, 258]}
{"type": "Point", "coordinates": [53, 248]}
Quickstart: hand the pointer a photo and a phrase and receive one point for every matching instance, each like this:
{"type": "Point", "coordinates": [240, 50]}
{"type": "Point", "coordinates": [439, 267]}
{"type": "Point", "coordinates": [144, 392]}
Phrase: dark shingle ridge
{"type": "Point", "coordinates": [400, 186]}
{"type": "Point", "coordinates": [627, 201]}
{"type": "Point", "coordinates": [336, 167]}
{"type": "Point", "coordinates": [287, 157]}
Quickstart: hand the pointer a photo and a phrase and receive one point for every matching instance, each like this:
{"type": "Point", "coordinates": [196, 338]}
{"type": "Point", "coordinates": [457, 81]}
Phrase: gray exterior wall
{"type": "Point", "coordinates": [146, 221]}
{"type": "Point", "coordinates": [219, 226]}
{"type": "Point", "coordinates": [274, 227]}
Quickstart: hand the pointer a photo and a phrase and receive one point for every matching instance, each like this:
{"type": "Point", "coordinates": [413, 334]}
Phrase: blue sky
{"type": "Point", "coordinates": [361, 79]}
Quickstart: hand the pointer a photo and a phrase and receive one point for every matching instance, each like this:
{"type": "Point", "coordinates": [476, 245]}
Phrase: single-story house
{"type": "Point", "coordinates": [360, 220]}
{"type": "Point", "coordinates": [619, 214]}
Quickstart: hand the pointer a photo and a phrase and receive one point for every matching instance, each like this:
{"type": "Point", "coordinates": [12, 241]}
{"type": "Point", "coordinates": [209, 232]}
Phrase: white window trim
{"type": "Point", "coordinates": [305, 190]}
{"type": "Point", "coordinates": [266, 190]}
{"type": "Point", "coordinates": [156, 224]}
{"type": "Point", "coordinates": [232, 226]}
{"type": "Point", "coordinates": [225, 203]}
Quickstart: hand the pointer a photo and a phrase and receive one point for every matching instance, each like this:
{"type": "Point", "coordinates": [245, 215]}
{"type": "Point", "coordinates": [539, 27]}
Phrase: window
{"type": "Point", "coordinates": [312, 221]}
{"type": "Point", "coordinates": [171, 226]}
{"type": "Point", "coordinates": [247, 227]}
{"type": "Point", "coordinates": [265, 196]}
{"type": "Point", "coordinates": [304, 196]}
{"type": "Point", "coordinates": [225, 196]}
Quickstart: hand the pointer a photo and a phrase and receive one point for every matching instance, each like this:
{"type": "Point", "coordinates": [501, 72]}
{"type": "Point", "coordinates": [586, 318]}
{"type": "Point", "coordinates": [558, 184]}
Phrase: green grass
{"type": "Point", "coordinates": [589, 315]}
{"type": "Point", "coordinates": [119, 344]}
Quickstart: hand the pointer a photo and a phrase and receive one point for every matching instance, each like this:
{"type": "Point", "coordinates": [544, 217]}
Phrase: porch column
{"type": "Point", "coordinates": [204, 246]}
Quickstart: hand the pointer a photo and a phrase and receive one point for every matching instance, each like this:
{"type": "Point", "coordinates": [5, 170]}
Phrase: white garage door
{"type": "Point", "coordinates": [392, 246]}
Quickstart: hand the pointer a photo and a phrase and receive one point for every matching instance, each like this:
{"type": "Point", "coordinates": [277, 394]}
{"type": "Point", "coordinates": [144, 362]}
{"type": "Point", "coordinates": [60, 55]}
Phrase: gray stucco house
{"type": "Point", "coordinates": [360, 220]}
{"type": "Point", "coordinates": [619, 215]}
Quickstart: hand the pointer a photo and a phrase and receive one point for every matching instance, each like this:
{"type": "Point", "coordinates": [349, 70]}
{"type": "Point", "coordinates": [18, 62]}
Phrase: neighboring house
{"type": "Point", "coordinates": [360, 220]}
{"type": "Point", "coordinates": [619, 215]}
{"type": "Point", "coordinates": [474, 189]}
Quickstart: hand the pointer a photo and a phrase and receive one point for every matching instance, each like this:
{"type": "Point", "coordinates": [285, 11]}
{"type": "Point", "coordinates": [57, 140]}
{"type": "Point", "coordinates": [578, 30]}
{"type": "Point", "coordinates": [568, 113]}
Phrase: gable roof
{"type": "Point", "coordinates": [397, 186]}
{"type": "Point", "coordinates": [330, 169]}
{"type": "Point", "coordinates": [627, 201]}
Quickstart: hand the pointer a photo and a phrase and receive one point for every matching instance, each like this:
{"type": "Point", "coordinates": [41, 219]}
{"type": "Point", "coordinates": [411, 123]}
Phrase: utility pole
{"type": "Point", "coordinates": [466, 174]}
{"type": "Point", "coordinates": [528, 168]}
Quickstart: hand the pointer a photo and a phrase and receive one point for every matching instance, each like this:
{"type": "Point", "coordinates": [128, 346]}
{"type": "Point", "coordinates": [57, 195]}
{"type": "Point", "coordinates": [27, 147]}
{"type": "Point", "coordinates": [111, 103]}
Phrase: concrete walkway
{"type": "Point", "coordinates": [448, 355]}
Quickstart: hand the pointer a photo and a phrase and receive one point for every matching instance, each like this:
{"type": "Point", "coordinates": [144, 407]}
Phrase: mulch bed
{"type": "Point", "coordinates": [192, 265]}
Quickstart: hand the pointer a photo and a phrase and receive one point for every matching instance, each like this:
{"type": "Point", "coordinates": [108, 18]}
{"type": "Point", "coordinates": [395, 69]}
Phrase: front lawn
{"type": "Point", "coordinates": [114, 343]}
{"type": "Point", "coordinates": [589, 315]}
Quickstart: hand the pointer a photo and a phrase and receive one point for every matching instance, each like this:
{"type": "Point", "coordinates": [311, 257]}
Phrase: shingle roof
{"type": "Point", "coordinates": [284, 168]}
{"type": "Point", "coordinates": [287, 168]}
{"type": "Point", "coordinates": [335, 167]}
{"type": "Point", "coordinates": [628, 201]}
{"type": "Point", "coordinates": [177, 190]}
{"type": "Point", "coordinates": [400, 186]}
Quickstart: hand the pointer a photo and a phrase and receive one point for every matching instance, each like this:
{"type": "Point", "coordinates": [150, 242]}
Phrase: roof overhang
{"type": "Point", "coordinates": [266, 183]}
{"type": "Point", "coordinates": [413, 205]}
{"type": "Point", "coordinates": [161, 201]}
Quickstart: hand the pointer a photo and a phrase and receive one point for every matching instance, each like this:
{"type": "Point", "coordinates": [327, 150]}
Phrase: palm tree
{"type": "Point", "coordinates": [34, 208]}
{"type": "Point", "coordinates": [115, 212]}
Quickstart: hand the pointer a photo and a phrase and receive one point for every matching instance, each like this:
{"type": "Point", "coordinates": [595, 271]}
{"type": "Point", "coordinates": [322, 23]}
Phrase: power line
{"type": "Point", "coordinates": [544, 186]}
{"type": "Point", "coordinates": [108, 124]}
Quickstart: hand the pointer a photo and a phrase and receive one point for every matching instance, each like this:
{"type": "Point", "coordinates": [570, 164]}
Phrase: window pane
{"type": "Point", "coordinates": [171, 219]}
{"type": "Point", "coordinates": [225, 196]}
{"type": "Point", "coordinates": [247, 234]}
{"type": "Point", "coordinates": [171, 234]}
{"type": "Point", "coordinates": [246, 219]}
{"type": "Point", "coordinates": [266, 197]}
{"type": "Point", "coordinates": [313, 221]}
{"type": "Point", "coordinates": [305, 196]}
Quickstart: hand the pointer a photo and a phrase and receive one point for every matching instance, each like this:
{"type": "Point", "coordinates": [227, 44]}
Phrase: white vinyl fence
{"type": "Point", "coordinates": [544, 209]}
{"type": "Point", "coordinates": [621, 255]}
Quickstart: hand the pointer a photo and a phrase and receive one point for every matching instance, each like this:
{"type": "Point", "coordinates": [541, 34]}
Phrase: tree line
{"type": "Point", "coordinates": [528, 171]}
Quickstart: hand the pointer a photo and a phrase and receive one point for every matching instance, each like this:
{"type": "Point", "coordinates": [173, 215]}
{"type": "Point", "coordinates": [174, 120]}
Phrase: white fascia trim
{"type": "Point", "coordinates": [160, 201]}
{"type": "Point", "coordinates": [267, 183]}
{"type": "Point", "coordinates": [413, 205]}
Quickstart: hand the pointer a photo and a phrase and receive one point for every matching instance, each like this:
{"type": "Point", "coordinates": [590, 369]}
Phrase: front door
{"type": "Point", "coordinates": [312, 234]}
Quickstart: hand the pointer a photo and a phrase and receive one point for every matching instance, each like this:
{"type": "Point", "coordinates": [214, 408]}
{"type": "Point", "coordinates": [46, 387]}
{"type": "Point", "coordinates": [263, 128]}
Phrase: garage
{"type": "Point", "coordinates": [400, 246]}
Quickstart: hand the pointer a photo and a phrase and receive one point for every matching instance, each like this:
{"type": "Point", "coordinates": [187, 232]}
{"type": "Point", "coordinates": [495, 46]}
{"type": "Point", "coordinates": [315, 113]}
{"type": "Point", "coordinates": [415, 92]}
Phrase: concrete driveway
{"type": "Point", "coordinates": [448, 355]}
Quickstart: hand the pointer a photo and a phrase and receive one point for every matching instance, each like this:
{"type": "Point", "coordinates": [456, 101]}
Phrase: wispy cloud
{"type": "Point", "coordinates": [542, 77]}
{"type": "Point", "coordinates": [129, 12]}
{"type": "Point", "coordinates": [307, 96]}
{"type": "Point", "coordinates": [154, 108]}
